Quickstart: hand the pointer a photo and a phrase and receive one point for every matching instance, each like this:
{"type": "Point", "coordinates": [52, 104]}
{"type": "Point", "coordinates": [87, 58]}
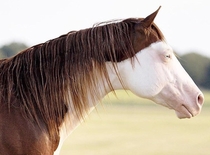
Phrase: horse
{"type": "Point", "coordinates": [47, 90]}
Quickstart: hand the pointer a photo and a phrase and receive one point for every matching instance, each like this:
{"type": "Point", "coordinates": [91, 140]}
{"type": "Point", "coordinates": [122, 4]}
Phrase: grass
{"type": "Point", "coordinates": [126, 127]}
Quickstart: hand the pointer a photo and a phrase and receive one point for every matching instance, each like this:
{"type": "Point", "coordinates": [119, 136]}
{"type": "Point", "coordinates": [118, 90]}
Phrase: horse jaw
{"type": "Point", "coordinates": [156, 74]}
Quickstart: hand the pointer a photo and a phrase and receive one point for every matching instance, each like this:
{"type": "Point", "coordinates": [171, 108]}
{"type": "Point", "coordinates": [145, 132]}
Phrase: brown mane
{"type": "Point", "coordinates": [46, 78]}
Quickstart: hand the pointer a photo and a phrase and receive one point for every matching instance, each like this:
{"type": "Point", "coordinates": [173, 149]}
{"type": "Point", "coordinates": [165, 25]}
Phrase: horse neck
{"type": "Point", "coordinates": [71, 121]}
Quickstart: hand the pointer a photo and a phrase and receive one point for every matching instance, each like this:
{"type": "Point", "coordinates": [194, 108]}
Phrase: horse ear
{"type": "Point", "coordinates": [149, 19]}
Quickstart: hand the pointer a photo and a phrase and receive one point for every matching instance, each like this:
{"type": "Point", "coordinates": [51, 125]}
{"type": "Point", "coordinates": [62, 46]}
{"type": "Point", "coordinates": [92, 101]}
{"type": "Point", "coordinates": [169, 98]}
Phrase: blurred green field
{"type": "Point", "coordinates": [130, 125]}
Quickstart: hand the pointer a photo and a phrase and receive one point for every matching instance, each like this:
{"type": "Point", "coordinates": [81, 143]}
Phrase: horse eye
{"type": "Point", "coordinates": [168, 56]}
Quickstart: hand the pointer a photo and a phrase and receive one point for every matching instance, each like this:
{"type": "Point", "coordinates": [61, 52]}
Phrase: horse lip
{"type": "Point", "coordinates": [191, 114]}
{"type": "Point", "coordinates": [184, 112]}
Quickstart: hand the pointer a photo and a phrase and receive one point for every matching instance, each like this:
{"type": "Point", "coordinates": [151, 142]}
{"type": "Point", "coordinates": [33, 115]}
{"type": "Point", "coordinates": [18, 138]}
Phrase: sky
{"type": "Point", "coordinates": [184, 23]}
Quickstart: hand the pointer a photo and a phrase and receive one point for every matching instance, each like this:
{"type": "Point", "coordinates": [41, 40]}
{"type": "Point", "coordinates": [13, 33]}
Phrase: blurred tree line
{"type": "Point", "coordinates": [11, 49]}
{"type": "Point", "coordinates": [197, 66]}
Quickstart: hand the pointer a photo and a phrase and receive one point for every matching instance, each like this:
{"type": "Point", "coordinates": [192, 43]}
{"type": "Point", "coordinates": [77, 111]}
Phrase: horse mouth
{"type": "Point", "coordinates": [189, 112]}
{"type": "Point", "coordinates": [184, 112]}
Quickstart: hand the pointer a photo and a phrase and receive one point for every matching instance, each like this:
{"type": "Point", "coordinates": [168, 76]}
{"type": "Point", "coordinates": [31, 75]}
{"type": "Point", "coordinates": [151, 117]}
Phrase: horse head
{"type": "Point", "coordinates": [156, 74]}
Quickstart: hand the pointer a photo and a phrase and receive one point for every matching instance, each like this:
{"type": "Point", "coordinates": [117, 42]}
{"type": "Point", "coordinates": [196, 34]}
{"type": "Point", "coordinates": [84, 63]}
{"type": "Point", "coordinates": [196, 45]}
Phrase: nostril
{"type": "Point", "coordinates": [200, 99]}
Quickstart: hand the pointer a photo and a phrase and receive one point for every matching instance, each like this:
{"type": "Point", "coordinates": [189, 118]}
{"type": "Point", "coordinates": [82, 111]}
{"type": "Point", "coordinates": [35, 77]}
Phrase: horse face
{"type": "Point", "coordinates": [156, 74]}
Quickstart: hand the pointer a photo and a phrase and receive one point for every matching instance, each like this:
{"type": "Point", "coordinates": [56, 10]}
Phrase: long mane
{"type": "Point", "coordinates": [49, 78]}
